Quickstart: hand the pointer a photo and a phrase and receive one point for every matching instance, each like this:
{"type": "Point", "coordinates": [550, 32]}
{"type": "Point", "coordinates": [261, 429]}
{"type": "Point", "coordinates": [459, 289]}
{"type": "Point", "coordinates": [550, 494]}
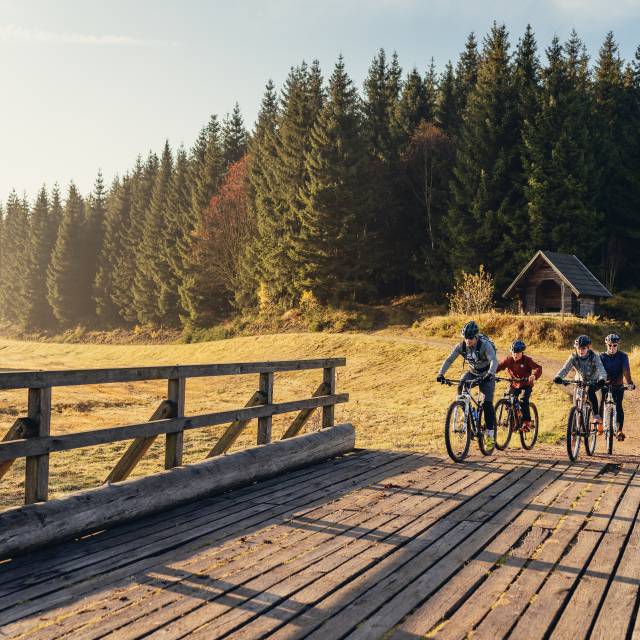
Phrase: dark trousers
{"type": "Point", "coordinates": [618, 396]}
{"type": "Point", "coordinates": [487, 389]}
{"type": "Point", "coordinates": [524, 400]}
{"type": "Point", "coordinates": [593, 399]}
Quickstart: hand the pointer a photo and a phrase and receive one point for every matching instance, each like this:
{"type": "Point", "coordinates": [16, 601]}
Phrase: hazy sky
{"type": "Point", "coordinates": [87, 84]}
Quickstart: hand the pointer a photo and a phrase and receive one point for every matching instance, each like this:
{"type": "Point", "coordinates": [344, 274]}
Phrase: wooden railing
{"type": "Point", "coordinates": [30, 438]}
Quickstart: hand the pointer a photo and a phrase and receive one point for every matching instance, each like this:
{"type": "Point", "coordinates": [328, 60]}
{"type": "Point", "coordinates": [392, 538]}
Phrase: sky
{"type": "Point", "coordinates": [88, 85]}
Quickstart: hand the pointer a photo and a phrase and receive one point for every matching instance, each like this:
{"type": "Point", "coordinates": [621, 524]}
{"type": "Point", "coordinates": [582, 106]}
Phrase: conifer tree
{"type": "Point", "coordinates": [333, 237]}
{"type": "Point", "coordinates": [466, 73]}
{"type": "Point", "coordinates": [95, 211]}
{"type": "Point", "coordinates": [447, 117]}
{"type": "Point", "coordinates": [151, 267]}
{"type": "Point", "coordinates": [483, 193]}
{"type": "Point", "coordinates": [68, 292]}
{"type": "Point", "coordinates": [413, 106]}
{"type": "Point", "coordinates": [234, 137]}
{"type": "Point", "coordinates": [41, 243]}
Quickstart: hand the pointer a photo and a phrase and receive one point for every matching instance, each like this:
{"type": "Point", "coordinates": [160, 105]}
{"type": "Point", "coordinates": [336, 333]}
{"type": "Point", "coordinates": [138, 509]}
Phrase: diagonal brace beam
{"type": "Point", "coordinates": [303, 417]}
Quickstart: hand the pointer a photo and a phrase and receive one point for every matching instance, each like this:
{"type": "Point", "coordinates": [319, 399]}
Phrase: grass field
{"type": "Point", "coordinates": [395, 401]}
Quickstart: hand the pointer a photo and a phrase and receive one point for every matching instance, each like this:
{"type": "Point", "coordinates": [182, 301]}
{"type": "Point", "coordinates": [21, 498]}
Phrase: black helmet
{"type": "Point", "coordinates": [518, 346]}
{"type": "Point", "coordinates": [612, 338]}
{"type": "Point", "coordinates": [582, 341]}
{"type": "Point", "coordinates": [470, 330]}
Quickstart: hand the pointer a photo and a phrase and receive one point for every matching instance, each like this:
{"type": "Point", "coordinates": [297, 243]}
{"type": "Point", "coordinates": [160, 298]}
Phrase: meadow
{"type": "Point", "coordinates": [395, 402]}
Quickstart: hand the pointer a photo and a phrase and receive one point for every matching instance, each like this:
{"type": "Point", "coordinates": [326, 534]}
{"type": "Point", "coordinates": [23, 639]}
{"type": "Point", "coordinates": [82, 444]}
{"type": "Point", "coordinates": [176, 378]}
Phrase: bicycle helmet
{"type": "Point", "coordinates": [518, 346]}
{"type": "Point", "coordinates": [612, 338]}
{"type": "Point", "coordinates": [470, 330]}
{"type": "Point", "coordinates": [582, 341]}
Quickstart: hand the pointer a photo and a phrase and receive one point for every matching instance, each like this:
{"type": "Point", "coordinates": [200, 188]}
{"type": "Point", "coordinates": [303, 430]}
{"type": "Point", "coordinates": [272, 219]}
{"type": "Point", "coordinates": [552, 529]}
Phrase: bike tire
{"type": "Point", "coordinates": [504, 424]}
{"type": "Point", "coordinates": [590, 433]}
{"type": "Point", "coordinates": [528, 440]}
{"type": "Point", "coordinates": [573, 434]}
{"type": "Point", "coordinates": [609, 426]}
{"type": "Point", "coordinates": [457, 446]}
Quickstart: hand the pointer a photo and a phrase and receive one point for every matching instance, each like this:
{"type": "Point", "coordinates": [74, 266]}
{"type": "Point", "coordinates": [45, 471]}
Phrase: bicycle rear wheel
{"type": "Point", "coordinates": [457, 436]}
{"type": "Point", "coordinates": [504, 424]}
{"type": "Point", "coordinates": [529, 438]}
{"type": "Point", "coordinates": [590, 432]}
{"type": "Point", "coordinates": [573, 434]}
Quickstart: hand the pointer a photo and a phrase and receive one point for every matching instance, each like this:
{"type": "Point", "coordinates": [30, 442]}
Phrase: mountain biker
{"type": "Point", "coordinates": [589, 369]}
{"type": "Point", "coordinates": [616, 364]}
{"type": "Point", "coordinates": [480, 355]}
{"type": "Point", "coordinates": [521, 366]}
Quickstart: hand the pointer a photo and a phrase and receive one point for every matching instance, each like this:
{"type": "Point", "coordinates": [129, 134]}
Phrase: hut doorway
{"type": "Point", "coordinates": [548, 297]}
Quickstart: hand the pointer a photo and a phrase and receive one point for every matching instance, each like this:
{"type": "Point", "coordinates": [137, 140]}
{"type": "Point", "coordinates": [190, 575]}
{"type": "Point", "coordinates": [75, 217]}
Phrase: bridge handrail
{"type": "Point", "coordinates": [30, 438]}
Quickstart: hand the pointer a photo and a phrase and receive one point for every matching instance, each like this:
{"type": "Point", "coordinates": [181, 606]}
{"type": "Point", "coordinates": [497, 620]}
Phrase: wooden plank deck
{"type": "Point", "coordinates": [375, 544]}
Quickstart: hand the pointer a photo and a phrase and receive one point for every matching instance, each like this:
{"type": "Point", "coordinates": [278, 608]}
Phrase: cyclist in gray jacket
{"type": "Point", "coordinates": [480, 355]}
{"type": "Point", "coordinates": [589, 368]}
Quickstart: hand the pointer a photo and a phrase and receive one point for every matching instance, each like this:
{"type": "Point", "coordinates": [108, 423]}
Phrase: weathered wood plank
{"type": "Point", "coordinates": [329, 378]}
{"type": "Point", "coordinates": [139, 446]}
{"type": "Point", "coordinates": [303, 417]}
{"type": "Point", "coordinates": [37, 379]}
{"type": "Point", "coordinates": [264, 423]}
{"type": "Point", "coordinates": [36, 481]}
{"type": "Point", "coordinates": [20, 448]}
{"type": "Point", "coordinates": [19, 430]}
{"type": "Point", "coordinates": [234, 430]}
{"type": "Point", "coordinates": [28, 527]}
{"type": "Point", "coordinates": [174, 441]}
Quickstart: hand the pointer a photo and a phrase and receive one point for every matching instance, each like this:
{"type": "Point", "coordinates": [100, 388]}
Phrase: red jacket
{"type": "Point", "coordinates": [523, 368]}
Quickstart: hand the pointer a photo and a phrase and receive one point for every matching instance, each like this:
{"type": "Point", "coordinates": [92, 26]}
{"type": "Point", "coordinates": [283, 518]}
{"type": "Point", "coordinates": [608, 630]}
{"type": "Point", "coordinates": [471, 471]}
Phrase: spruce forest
{"type": "Point", "coordinates": [353, 196]}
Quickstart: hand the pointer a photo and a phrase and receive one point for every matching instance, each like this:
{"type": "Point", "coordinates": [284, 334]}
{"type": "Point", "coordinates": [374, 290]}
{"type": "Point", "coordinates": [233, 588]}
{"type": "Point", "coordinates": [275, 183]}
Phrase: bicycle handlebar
{"type": "Point", "coordinates": [471, 382]}
{"type": "Point", "coordinates": [580, 383]}
{"type": "Point", "coordinates": [511, 379]}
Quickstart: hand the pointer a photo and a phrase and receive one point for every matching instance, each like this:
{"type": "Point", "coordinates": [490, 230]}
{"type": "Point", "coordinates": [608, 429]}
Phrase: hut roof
{"type": "Point", "coordinates": [574, 274]}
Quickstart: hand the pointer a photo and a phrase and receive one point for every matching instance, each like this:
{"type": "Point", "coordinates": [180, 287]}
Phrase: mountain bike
{"type": "Point", "coordinates": [579, 421]}
{"type": "Point", "coordinates": [509, 419]}
{"type": "Point", "coordinates": [610, 414]}
{"type": "Point", "coordinates": [464, 421]}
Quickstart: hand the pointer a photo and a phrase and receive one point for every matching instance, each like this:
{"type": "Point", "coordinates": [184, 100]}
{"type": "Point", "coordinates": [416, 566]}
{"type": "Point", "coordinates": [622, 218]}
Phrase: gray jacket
{"type": "Point", "coordinates": [481, 358]}
{"type": "Point", "coordinates": [588, 369]}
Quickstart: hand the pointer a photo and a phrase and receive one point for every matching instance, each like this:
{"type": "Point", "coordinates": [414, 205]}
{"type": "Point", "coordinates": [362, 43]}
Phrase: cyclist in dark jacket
{"type": "Point", "coordinates": [480, 355]}
{"type": "Point", "coordinates": [616, 364]}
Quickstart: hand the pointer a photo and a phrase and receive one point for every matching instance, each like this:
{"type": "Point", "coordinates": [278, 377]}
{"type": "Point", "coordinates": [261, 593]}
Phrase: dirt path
{"type": "Point", "coordinates": [630, 448]}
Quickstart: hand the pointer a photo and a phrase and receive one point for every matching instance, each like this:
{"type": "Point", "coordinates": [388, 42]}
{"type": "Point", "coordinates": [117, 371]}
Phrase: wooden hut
{"type": "Point", "coordinates": [556, 283]}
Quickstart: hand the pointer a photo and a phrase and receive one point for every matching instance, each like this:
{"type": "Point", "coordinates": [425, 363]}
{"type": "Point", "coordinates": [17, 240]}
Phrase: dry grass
{"type": "Point", "coordinates": [395, 401]}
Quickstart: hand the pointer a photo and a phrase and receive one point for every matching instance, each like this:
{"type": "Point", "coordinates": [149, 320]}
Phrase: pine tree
{"type": "Point", "coordinates": [151, 267]}
{"type": "Point", "coordinates": [333, 237]}
{"type": "Point", "coordinates": [67, 286]}
{"type": "Point", "coordinates": [95, 211]}
{"type": "Point", "coordinates": [234, 137]}
{"type": "Point", "coordinates": [447, 117]}
{"type": "Point", "coordinates": [483, 192]}
{"type": "Point", "coordinates": [41, 243]}
{"type": "Point", "coordinates": [559, 158]}
{"type": "Point", "coordinates": [466, 73]}
{"type": "Point", "coordinates": [413, 106]}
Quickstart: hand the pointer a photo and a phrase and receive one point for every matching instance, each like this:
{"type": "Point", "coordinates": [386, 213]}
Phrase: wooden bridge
{"type": "Point", "coordinates": [369, 544]}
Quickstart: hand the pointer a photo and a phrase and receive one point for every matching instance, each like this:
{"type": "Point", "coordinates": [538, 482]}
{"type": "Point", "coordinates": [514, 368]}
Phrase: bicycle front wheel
{"type": "Point", "coordinates": [504, 424]}
{"type": "Point", "coordinates": [590, 432]}
{"type": "Point", "coordinates": [457, 436]}
{"type": "Point", "coordinates": [573, 434]}
{"type": "Point", "coordinates": [609, 427]}
{"type": "Point", "coordinates": [528, 438]}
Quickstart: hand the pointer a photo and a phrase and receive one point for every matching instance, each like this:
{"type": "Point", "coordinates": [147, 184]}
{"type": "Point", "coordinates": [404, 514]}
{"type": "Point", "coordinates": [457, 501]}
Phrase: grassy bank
{"type": "Point", "coordinates": [395, 401]}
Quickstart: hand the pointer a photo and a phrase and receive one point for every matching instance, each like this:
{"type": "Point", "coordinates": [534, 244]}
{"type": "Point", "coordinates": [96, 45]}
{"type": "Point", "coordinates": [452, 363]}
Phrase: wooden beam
{"type": "Point", "coordinates": [20, 429]}
{"type": "Point", "coordinates": [264, 423]}
{"type": "Point", "coordinates": [174, 441]}
{"type": "Point", "coordinates": [70, 441]}
{"type": "Point", "coordinates": [39, 379]}
{"type": "Point", "coordinates": [303, 417]}
{"type": "Point", "coordinates": [329, 378]}
{"type": "Point", "coordinates": [138, 447]}
{"type": "Point", "coordinates": [236, 427]}
{"type": "Point", "coordinates": [85, 511]}
{"type": "Point", "coordinates": [36, 481]}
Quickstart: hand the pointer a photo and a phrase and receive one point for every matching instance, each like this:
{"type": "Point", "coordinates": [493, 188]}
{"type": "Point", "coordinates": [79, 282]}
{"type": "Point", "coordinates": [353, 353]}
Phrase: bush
{"type": "Point", "coordinates": [472, 293]}
{"type": "Point", "coordinates": [624, 305]}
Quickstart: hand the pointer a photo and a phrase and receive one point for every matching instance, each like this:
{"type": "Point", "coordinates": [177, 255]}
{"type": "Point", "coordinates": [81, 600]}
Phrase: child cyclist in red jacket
{"type": "Point", "coordinates": [520, 366]}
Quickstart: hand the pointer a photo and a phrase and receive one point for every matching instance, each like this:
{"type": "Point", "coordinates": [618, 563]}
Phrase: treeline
{"type": "Point", "coordinates": [349, 196]}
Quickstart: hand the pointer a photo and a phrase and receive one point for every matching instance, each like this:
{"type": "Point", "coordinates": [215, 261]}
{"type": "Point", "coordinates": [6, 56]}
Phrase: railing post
{"type": "Point", "coordinates": [264, 424]}
{"type": "Point", "coordinates": [36, 484]}
{"type": "Point", "coordinates": [174, 441]}
{"type": "Point", "coordinates": [329, 378]}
